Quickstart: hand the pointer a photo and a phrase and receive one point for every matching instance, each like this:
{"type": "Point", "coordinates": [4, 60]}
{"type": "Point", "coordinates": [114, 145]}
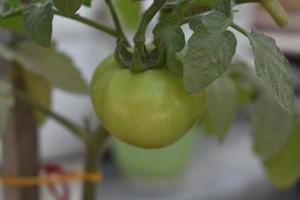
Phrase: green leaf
{"type": "Point", "coordinates": [273, 68]}
{"type": "Point", "coordinates": [67, 7]}
{"type": "Point", "coordinates": [38, 22]}
{"type": "Point", "coordinates": [52, 66]}
{"type": "Point", "coordinates": [284, 168]}
{"type": "Point", "coordinates": [40, 92]}
{"type": "Point", "coordinates": [6, 102]}
{"type": "Point", "coordinates": [246, 82]}
{"type": "Point", "coordinates": [225, 7]}
{"type": "Point", "coordinates": [131, 13]}
{"type": "Point", "coordinates": [208, 56]}
{"type": "Point", "coordinates": [9, 6]}
{"type": "Point", "coordinates": [221, 108]}
{"type": "Point", "coordinates": [87, 3]}
{"type": "Point", "coordinates": [13, 24]}
{"type": "Point", "coordinates": [215, 21]}
{"type": "Point", "coordinates": [271, 126]}
{"type": "Point", "coordinates": [169, 35]}
{"type": "Point", "coordinates": [208, 3]}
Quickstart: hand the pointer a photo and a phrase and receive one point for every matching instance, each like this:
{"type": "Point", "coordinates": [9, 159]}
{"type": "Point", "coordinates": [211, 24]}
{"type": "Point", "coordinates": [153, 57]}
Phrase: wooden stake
{"type": "Point", "coordinates": [20, 144]}
{"type": "Point", "coordinates": [20, 152]}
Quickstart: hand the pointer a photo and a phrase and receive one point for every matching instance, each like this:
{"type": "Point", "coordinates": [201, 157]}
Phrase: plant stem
{"type": "Point", "coordinates": [94, 149]}
{"type": "Point", "coordinates": [16, 12]}
{"type": "Point", "coordinates": [94, 142]}
{"type": "Point", "coordinates": [240, 29]}
{"type": "Point", "coordinates": [117, 21]}
{"type": "Point", "coordinates": [139, 38]}
{"type": "Point", "coordinates": [91, 166]}
{"type": "Point", "coordinates": [77, 131]}
{"type": "Point", "coordinates": [75, 17]}
{"type": "Point", "coordinates": [90, 23]}
{"type": "Point", "coordinates": [276, 10]}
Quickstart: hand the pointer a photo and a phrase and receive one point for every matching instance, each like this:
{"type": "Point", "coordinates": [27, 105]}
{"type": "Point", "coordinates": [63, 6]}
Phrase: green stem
{"type": "Point", "coordinates": [90, 23]}
{"type": "Point", "coordinates": [240, 29]}
{"type": "Point", "coordinates": [276, 10]}
{"type": "Point", "coordinates": [117, 21]}
{"type": "Point", "coordinates": [91, 166]}
{"type": "Point", "coordinates": [76, 17]}
{"type": "Point", "coordinates": [94, 142]}
{"type": "Point", "coordinates": [77, 131]}
{"type": "Point", "coordinates": [139, 38]}
{"type": "Point", "coordinates": [16, 12]}
{"type": "Point", "coordinates": [92, 161]}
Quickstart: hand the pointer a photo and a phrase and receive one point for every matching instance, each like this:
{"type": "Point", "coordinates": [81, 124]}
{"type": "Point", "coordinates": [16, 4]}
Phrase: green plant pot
{"type": "Point", "coordinates": [154, 163]}
{"type": "Point", "coordinates": [154, 172]}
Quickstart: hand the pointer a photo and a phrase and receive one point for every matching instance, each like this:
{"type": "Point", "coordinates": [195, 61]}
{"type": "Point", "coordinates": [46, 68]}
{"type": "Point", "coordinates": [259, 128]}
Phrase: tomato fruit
{"type": "Point", "coordinates": [149, 109]}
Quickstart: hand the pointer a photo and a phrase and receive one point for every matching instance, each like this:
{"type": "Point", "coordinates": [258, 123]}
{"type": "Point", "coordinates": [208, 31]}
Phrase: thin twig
{"type": "Point", "coordinates": [240, 29]}
{"type": "Point", "coordinates": [75, 17]}
{"type": "Point", "coordinates": [139, 38]}
{"type": "Point", "coordinates": [76, 130]}
{"type": "Point", "coordinates": [91, 23]}
{"type": "Point", "coordinates": [117, 21]}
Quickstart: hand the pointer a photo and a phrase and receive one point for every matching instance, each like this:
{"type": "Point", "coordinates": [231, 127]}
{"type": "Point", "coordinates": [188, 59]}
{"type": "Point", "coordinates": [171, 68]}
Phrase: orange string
{"type": "Point", "coordinates": [54, 179]}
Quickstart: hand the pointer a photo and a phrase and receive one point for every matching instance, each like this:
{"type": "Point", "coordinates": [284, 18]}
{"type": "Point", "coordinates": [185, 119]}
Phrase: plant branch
{"type": "Point", "coordinates": [117, 21]}
{"type": "Point", "coordinates": [76, 17]}
{"type": "Point", "coordinates": [240, 29]}
{"type": "Point", "coordinates": [275, 9]}
{"type": "Point", "coordinates": [139, 38]}
{"type": "Point", "coordinates": [90, 23]}
{"type": "Point", "coordinates": [77, 131]}
{"type": "Point", "coordinates": [94, 148]}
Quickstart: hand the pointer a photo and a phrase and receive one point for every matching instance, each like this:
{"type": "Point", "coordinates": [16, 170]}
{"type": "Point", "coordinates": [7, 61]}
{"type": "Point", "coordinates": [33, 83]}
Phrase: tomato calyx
{"type": "Point", "coordinates": [138, 61]}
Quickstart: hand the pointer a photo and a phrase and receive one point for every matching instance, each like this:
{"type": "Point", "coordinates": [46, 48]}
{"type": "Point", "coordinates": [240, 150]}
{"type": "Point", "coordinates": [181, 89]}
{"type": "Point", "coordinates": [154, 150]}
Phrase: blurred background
{"type": "Point", "coordinates": [198, 167]}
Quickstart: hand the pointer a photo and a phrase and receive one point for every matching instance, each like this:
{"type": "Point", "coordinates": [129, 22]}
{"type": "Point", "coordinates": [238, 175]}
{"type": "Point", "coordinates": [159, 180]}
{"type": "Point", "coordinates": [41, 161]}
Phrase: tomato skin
{"type": "Point", "coordinates": [150, 109]}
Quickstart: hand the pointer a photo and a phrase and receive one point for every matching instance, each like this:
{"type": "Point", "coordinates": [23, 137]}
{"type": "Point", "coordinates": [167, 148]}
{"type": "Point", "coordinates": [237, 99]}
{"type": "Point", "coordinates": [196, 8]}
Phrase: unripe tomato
{"type": "Point", "coordinates": [149, 109]}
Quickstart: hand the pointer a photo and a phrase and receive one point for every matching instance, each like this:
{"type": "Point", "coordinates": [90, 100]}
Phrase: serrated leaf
{"type": "Point", "coordinates": [195, 22]}
{"type": "Point", "coordinates": [40, 91]}
{"type": "Point", "coordinates": [224, 6]}
{"type": "Point", "coordinates": [208, 56]}
{"type": "Point", "coordinates": [215, 21]}
{"type": "Point", "coordinates": [38, 19]}
{"type": "Point", "coordinates": [6, 102]}
{"type": "Point", "coordinates": [67, 7]}
{"type": "Point", "coordinates": [14, 24]}
{"type": "Point", "coordinates": [222, 107]}
{"type": "Point", "coordinates": [246, 82]}
{"type": "Point", "coordinates": [87, 3]}
{"type": "Point", "coordinates": [284, 168]}
{"type": "Point", "coordinates": [8, 7]}
{"type": "Point", "coordinates": [169, 35]}
{"type": "Point", "coordinates": [273, 68]}
{"type": "Point", "coordinates": [208, 3]}
{"type": "Point", "coordinates": [271, 126]}
{"type": "Point", "coordinates": [51, 65]}
{"type": "Point", "coordinates": [130, 13]}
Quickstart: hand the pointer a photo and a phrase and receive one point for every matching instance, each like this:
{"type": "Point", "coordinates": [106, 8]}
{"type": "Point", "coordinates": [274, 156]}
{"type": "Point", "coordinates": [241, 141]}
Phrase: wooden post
{"type": "Point", "coordinates": [20, 152]}
{"type": "Point", "coordinates": [20, 144]}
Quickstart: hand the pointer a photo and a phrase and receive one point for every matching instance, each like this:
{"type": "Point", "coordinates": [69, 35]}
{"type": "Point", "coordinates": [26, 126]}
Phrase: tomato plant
{"type": "Point", "coordinates": [150, 95]}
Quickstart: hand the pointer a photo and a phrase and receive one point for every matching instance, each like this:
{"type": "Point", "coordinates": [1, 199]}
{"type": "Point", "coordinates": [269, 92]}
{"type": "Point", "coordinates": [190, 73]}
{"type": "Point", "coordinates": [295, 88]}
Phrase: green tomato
{"type": "Point", "coordinates": [150, 109]}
